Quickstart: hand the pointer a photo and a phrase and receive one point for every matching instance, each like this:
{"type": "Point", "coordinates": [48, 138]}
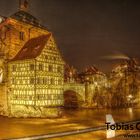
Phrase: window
{"type": "Point", "coordinates": [55, 59]}
{"type": "Point", "coordinates": [40, 67]}
{"type": "Point", "coordinates": [30, 97]}
{"type": "Point", "coordinates": [52, 81]}
{"type": "Point", "coordinates": [15, 97]}
{"type": "Point", "coordinates": [21, 35]}
{"type": "Point", "coordinates": [50, 68]}
{"type": "Point", "coordinates": [39, 81]}
{"type": "Point", "coordinates": [46, 57]}
{"type": "Point", "coordinates": [52, 58]}
{"type": "Point", "coordinates": [38, 97]}
{"type": "Point", "coordinates": [32, 67]}
{"type": "Point", "coordinates": [13, 80]}
{"type": "Point", "coordinates": [59, 81]}
{"type": "Point", "coordinates": [49, 97]}
{"type": "Point", "coordinates": [32, 81]}
{"type": "Point", "coordinates": [60, 96]}
{"type": "Point", "coordinates": [59, 69]}
{"type": "Point", "coordinates": [45, 80]}
{"type": "Point", "coordinates": [13, 68]}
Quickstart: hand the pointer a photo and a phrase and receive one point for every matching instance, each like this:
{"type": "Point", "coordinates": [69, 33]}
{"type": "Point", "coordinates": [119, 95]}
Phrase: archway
{"type": "Point", "coordinates": [71, 99]}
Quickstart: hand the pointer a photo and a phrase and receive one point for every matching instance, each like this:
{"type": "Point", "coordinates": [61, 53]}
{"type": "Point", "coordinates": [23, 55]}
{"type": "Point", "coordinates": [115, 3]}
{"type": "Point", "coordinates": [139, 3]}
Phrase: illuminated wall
{"type": "Point", "coordinates": [20, 78]}
{"type": "Point", "coordinates": [50, 76]}
{"type": "Point", "coordinates": [30, 84]}
{"type": "Point", "coordinates": [37, 82]}
{"type": "Point", "coordinates": [14, 34]}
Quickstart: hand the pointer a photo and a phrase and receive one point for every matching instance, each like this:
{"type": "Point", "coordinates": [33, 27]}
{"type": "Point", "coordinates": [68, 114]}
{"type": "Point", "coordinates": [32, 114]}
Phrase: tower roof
{"type": "Point", "coordinates": [32, 48]}
{"type": "Point", "coordinates": [24, 16]}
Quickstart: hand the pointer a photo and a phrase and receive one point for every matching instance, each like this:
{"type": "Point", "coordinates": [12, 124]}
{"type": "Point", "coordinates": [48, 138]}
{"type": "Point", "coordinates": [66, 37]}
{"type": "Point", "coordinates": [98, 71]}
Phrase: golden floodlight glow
{"type": "Point", "coordinates": [32, 74]}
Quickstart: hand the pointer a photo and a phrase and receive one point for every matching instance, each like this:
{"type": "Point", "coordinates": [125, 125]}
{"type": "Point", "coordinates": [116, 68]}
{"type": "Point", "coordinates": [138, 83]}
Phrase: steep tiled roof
{"type": "Point", "coordinates": [25, 17]}
{"type": "Point", "coordinates": [91, 70]}
{"type": "Point", "coordinates": [32, 48]}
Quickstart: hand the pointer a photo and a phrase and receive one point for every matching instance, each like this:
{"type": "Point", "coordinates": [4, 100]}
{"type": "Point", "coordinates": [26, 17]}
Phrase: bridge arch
{"type": "Point", "coordinates": [72, 99]}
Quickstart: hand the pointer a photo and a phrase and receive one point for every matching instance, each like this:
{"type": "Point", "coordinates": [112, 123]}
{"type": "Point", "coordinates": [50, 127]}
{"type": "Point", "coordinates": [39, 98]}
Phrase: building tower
{"type": "Point", "coordinates": [24, 5]}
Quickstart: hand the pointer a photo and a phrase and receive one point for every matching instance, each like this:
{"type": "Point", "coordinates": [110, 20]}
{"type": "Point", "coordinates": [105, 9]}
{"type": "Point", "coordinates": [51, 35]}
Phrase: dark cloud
{"type": "Point", "coordinates": [86, 30]}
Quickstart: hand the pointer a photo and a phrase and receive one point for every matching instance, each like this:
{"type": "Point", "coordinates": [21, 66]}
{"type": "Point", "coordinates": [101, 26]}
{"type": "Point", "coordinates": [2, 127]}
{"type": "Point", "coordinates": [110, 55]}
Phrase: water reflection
{"type": "Point", "coordinates": [99, 114]}
{"type": "Point", "coordinates": [131, 112]}
{"type": "Point", "coordinates": [72, 119]}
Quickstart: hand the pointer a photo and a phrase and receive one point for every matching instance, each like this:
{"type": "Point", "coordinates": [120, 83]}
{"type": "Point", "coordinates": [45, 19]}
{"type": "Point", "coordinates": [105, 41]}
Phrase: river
{"type": "Point", "coordinates": [71, 120]}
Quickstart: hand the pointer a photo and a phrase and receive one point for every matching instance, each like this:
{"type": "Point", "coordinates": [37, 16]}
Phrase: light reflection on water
{"type": "Point", "coordinates": [15, 127]}
{"type": "Point", "coordinates": [131, 112]}
{"type": "Point", "coordinates": [99, 114]}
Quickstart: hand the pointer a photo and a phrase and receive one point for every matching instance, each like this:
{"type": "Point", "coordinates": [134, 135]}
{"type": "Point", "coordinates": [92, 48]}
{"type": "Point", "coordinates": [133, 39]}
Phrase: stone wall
{"type": "Point", "coordinates": [3, 100]}
{"type": "Point", "coordinates": [32, 111]}
{"type": "Point", "coordinates": [10, 41]}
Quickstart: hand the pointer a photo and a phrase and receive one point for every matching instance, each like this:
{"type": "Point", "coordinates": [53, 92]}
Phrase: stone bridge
{"type": "Point", "coordinates": [79, 89]}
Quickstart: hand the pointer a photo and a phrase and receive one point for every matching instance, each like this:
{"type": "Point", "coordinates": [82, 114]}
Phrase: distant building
{"type": "Point", "coordinates": [96, 83]}
{"type": "Point", "coordinates": [89, 86]}
{"type": "Point", "coordinates": [124, 81]}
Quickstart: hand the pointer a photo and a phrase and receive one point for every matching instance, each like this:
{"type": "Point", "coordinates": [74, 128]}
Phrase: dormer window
{"type": "Point", "coordinates": [37, 47]}
{"type": "Point", "coordinates": [25, 49]}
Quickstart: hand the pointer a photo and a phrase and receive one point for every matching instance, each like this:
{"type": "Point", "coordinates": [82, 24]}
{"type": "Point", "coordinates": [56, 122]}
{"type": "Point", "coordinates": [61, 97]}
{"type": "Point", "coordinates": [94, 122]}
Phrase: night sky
{"type": "Point", "coordinates": [87, 30]}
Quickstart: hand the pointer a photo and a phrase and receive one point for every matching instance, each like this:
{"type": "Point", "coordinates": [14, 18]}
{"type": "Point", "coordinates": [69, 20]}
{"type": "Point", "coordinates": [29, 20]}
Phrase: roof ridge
{"type": "Point", "coordinates": [25, 16]}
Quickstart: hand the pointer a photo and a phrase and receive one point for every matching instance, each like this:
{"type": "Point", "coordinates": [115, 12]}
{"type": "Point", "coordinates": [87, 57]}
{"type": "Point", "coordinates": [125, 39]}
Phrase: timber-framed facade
{"type": "Point", "coordinates": [32, 68]}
